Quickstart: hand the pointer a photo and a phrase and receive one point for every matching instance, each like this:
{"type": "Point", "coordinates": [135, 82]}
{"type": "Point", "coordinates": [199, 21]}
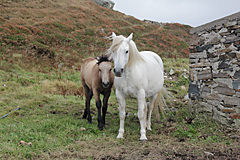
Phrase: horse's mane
{"type": "Point", "coordinates": [134, 56]}
{"type": "Point", "coordinates": [102, 59]}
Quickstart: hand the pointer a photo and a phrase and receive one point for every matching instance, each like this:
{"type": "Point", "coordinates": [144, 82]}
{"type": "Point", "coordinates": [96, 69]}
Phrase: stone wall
{"type": "Point", "coordinates": [214, 75]}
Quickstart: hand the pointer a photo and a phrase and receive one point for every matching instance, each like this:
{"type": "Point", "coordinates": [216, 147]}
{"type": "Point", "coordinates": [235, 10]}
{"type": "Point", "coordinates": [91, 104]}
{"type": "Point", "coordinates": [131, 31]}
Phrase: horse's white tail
{"type": "Point", "coordinates": [160, 101]}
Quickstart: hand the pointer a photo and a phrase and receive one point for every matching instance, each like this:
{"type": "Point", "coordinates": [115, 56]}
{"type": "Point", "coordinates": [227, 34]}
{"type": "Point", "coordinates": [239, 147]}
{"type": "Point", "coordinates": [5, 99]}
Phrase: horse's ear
{"type": "Point", "coordinates": [129, 38]}
{"type": "Point", "coordinates": [113, 35]}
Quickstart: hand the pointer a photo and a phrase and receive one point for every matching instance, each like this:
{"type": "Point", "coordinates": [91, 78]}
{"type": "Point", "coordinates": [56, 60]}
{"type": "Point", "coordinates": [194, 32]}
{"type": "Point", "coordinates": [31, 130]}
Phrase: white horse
{"type": "Point", "coordinates": [137, 75]}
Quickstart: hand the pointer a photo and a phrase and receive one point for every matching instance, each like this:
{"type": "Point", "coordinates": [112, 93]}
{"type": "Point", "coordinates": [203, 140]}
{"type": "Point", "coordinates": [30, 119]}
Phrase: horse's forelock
{"type": "Point", "coordinates": [103, 59]}
{"type": "Point", "coordinates": [115, 44]}
{"type": "Point", "coordinates": [134, 56]}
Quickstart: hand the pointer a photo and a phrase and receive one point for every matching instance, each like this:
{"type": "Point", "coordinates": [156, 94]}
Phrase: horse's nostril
{"type": "Point", "coordinates": [122, 70]}
{"type": "Point", "coordinates": [114, 70]}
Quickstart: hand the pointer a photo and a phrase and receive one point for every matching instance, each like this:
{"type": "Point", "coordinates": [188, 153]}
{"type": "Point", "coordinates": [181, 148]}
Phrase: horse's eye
{"type": "Point", "coordinates": [110, 70]}
{"type": "Point", "coordinates": [126, 51]}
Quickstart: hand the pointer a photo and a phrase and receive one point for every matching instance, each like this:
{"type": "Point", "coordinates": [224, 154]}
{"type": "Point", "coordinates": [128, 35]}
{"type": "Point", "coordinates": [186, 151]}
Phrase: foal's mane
{"type": "Point", "coordinates": [134, 56]}
{"type": "Point", "coordinates": [102, 59]}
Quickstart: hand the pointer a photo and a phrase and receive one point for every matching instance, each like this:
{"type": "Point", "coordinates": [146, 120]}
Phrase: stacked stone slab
{"type": "Point", "coordinates": [214, 58]}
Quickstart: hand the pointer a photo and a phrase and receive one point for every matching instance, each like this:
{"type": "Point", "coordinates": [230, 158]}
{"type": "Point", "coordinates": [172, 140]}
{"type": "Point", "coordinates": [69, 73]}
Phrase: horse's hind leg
{"type": "Point", "coordinates": [151, 105]}
{"type": "Point", "coordinates": [88, 94]}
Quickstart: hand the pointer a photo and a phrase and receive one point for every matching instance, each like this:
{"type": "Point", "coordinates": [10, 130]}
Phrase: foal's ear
{"type": "Point", "coordinates": [110, 58]}
{"type": "Point", "coordinates": [129, 38]}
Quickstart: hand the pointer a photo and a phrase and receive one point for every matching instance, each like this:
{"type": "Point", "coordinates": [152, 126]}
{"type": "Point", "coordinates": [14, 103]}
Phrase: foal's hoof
{"type": "Point", "coordinates": [90, 121]}
{"type": "Point", "coordinates": [100, 127]}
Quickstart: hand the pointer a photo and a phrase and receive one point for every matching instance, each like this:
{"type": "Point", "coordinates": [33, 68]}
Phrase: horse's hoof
{"type": "Point", "coordinates": [120, 136]}
{"type": "Point", "coordinates": [149, 129]}
{"type": "Point", "coordinates": [143, 140]}
{"type": "Point", "coordinates": [100, 128]}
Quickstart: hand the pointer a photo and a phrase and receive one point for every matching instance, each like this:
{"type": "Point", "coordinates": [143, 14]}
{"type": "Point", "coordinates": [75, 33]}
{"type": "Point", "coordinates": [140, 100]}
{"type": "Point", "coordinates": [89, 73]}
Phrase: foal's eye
{"type": "Point", "coordinates": [110, 70]}
{"type": "Point", "coordinates": [126, 51]}
{"type": "Point", "coordinates": [100, 70]}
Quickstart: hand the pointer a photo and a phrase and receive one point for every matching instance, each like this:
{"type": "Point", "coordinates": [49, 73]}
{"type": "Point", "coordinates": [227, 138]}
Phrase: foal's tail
{"type": "Point", "coordinates": [160, 101]}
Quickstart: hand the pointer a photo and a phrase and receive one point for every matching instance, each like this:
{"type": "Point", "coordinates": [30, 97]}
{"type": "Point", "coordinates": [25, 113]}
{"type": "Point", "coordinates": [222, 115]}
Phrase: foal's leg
{"type": "Point", "coordinates": [122, 104]}
{"type": "Point", "coordinates": [141, 113]}
{"type": "Point", "coordinates": [99, 105]}
{"type": "Point", "coordinates": [151, 105]}
{"type": "Point", "coordinates": [105, 106]}
{"type": "Point", "coordinates": [88, 94]}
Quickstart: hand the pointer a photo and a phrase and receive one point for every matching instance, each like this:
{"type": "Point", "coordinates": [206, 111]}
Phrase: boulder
{"type": "Point", "coordinates": [105, 3]}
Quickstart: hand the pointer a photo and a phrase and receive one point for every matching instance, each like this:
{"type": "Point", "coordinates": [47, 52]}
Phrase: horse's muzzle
{"type": "Point", "coordinates": [118, 72]}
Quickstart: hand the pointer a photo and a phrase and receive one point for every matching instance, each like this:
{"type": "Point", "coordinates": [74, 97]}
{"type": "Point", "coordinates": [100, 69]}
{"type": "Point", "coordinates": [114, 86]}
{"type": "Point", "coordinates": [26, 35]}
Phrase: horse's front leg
{"type": "Point", "coordinates": [142, 113]}
{"type": "Point", "coordinates": [99, 105]}
{"type": "Point", "coordinates": [122, 104]}
{"type": "Point", "coordinates": [105, 106]}
{"type": "Point", "coordinates": [88, 94]}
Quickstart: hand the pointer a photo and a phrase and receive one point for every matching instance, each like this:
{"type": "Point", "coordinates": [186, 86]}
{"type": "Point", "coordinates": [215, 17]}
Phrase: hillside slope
{"type": "Point", "coordinates": [63, 31]}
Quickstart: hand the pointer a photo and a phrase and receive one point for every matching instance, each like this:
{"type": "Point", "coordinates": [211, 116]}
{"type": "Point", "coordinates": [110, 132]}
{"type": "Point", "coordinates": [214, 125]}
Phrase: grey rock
{"type": "Point", "coordinates": [105, 3]}
{"type": "Point", "coordinates": [198, 55]}
{"type": "Point", "coordinates": [205, 107]}
{"type": "Point", "coordinates": [236, 75]}
{"type": "Point", "coordinates": [204, 75]}
{"type": "Point", "coordinates": [236, 84]}
{"type": "Point", "coordinates": [238, 94]}
{"type": "Point", "coordinates": [204, 47]}
{"type": "Point", "coordinates": [229, 24]}
{"type": "Point", "coordinates": [224, 91]}
{"type": "Point", "coordinates": [231, 100]}
{"type": "Point", "coordinates": [223, 30]}
{"type": "Point", "coordinates": [194, 91]}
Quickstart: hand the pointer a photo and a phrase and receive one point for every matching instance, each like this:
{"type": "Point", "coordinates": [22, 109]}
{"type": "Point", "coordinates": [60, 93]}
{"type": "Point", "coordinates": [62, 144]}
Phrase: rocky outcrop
{"type": "Point", "coordinates": [153, 22]}
{"type": "Point", "coordinates": [105, 3]}
{"type": "Point", "coordinates": [215, 70]}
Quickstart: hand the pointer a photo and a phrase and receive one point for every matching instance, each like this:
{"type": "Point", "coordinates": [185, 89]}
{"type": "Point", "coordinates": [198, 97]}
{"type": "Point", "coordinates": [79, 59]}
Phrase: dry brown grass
{"type": "Point", "coordinates": [60, 25]}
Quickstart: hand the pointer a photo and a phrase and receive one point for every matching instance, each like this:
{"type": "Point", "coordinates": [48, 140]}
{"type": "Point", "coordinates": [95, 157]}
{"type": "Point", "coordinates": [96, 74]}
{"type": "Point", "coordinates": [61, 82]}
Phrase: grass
{"type": "Point", "coordinates": [50, 117]}
{"type": "Point", "coordinates": [42, 46]}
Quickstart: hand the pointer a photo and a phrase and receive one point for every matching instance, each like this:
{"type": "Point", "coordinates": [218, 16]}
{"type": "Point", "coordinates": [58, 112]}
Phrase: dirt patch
{"type": "Point", "coordinates": [157, 147]}
{"type": "Point", "coordinates": [164, 147]}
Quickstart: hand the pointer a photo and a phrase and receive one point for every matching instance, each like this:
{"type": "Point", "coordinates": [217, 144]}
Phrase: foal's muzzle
{"type": "Point", "coordinates": [105, 84]}
{"type": "Point", "coordinates": [118, 72]}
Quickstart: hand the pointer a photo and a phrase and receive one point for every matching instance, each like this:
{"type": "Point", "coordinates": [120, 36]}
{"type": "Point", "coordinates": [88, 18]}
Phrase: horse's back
{"type": "Point", "coordinates": [87, 70]}
{"type": "Point", "coordinates": [153, 56]}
